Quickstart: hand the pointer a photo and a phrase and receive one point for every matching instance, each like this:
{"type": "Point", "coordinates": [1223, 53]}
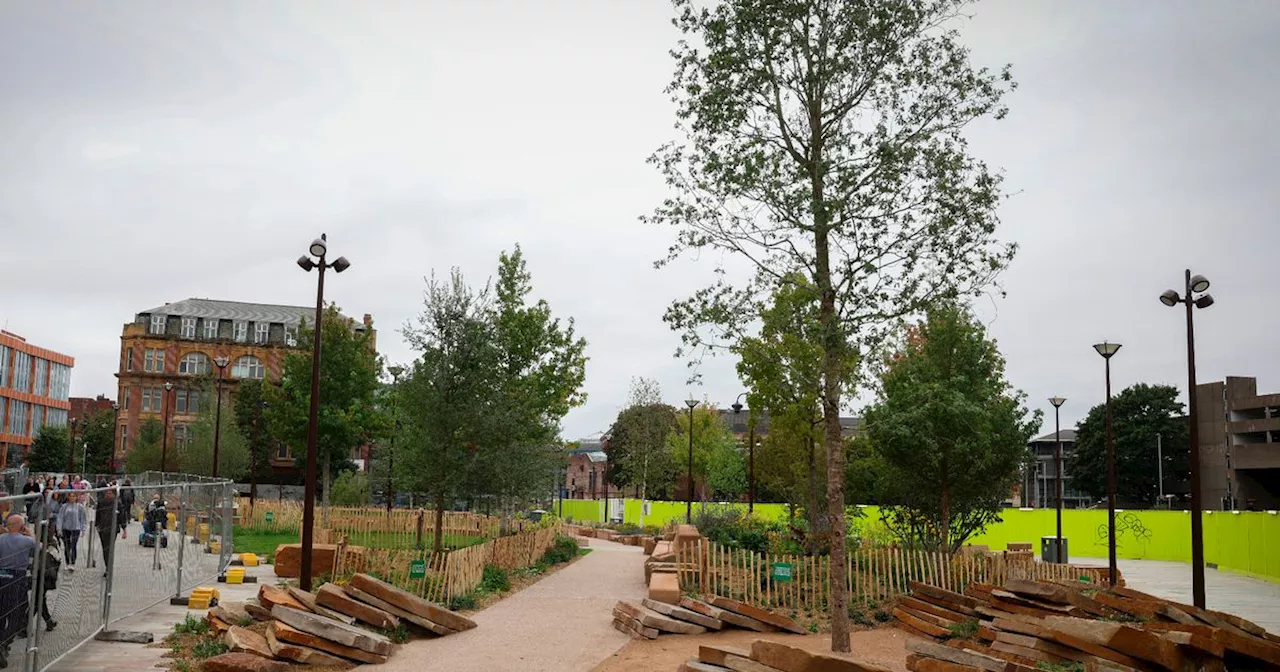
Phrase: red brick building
{"type": "Point", "coordinates": [83, 407]}
{"type": "Point", "coordinates": [35, 384]}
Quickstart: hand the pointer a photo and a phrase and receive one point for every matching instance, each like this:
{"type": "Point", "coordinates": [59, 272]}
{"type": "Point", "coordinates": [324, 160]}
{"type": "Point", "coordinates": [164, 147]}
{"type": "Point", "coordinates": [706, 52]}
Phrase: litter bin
{"type": "Point", "coordinates": [1049, 550]}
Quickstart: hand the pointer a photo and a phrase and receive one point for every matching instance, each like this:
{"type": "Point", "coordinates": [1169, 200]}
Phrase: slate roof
{"type": "Point", "coordinates": [235, 310]}
{"type": "Point", "coordinates": [1068, 436]}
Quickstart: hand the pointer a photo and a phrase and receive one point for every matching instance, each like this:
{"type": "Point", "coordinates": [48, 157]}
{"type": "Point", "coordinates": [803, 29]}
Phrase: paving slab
{"type": "Point", "coordinates": [562, 623]}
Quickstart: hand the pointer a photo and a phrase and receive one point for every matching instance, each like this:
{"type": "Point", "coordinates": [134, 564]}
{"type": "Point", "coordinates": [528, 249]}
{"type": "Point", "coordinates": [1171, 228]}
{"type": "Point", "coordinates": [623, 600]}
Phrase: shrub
{"type": "Point", "coordinates": [462, 602]}
{"type": "Point", "coordinates": [882, 616]}
{"type": "Point", "coordinates": [399, 634]}
{"type": "Point", "coordinates": [191, 626]}
{"type": "Point", "coordinates": [208, 648]}
{"type": "Point", "coordinates": [564, 550]}
{"type": "Point", "coordinates": [495, 580]}
{"type": "Point", "coordinates": [731, 527]}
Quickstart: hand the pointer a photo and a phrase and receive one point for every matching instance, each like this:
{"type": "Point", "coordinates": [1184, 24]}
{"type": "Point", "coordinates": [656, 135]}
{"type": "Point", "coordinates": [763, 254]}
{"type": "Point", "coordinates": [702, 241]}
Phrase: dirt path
{"type": "Point", "coordinates": [561, 623]}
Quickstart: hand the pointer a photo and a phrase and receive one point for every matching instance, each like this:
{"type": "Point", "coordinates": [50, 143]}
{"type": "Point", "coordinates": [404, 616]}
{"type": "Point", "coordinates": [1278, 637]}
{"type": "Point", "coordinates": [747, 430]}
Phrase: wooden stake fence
{"type": "Point", "coordinates": [875, 574]}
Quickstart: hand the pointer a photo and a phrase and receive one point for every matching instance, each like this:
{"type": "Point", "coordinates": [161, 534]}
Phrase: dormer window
{"type": "Point", "coordinates": [241, 333]}
{"type": "Point", "coordinates": [157, 324]}
{"type": "Point", "coordinates": [189, 328]}
{"type": "Point", "coordinates": [260, 332]}
{"type": "Point", "coordinates": [291, 336]}
{"type": "Point", "coordinates": [210, 328]}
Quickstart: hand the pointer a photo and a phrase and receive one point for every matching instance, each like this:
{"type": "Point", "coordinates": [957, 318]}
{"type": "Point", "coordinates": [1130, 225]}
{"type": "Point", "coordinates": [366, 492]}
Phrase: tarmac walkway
{"type": "Point", "coordinates": [562, 623]}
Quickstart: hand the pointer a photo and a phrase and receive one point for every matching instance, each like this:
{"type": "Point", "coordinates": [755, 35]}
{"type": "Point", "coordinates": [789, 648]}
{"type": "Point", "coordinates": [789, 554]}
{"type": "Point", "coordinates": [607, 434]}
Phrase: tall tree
{"type": "Point", "coordinates": [637, 447]}
{"type": "Point", "coordinates": [952, 432]}
{"type": "Point", "coordinates": [49, 450]}
{"type": "Point", "coordinates": [349, 372]}
{"type": "Point", "coordinates": [448, 404]}
{"type": "Point", "coordinates": [97, 442]}
{"type": "Point", "coordinates": [1141, 416]}
{"type": "Point", "coordinates": [826, 138]}
{"type": "Point", "coordinates": [711, 437]}
{"type": "Point", "coordinates": [542, 365]}
{"type": "Point", "coordinates": [196, 457]}
{"type": "Point", "coordinates": [145, 454]}
{"type": "Point", "coordinates": [250, 413]}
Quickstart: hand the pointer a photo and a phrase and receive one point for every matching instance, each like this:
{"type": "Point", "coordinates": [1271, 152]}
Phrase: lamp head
{"type": "Point", "coordinates": [221, 362]}
{"type": "Point", "coordinates": [1107, 349]}
{"type": "Point", "coordinates": [737, 408]}
{"type": "Point", "coordinates": [115, 406]}
{"type": "Point", "coordinates": [1199, 283]}
{"type": "Point", "coordinates": [1170, 298]}
{"type": "Point", "coordinates": [318, 247]}
{"type": "Point", "coordinates": [691, 403]}
{"type": "Point", "coordinates": [341, 264]}
{"type": "Point", "coordinates": [1204, 301]}
{"type": "Point", "coordinates": [1057, 401]}
{"type": "Point", "coordinates": [168, 387]}
{"type": "Point", "coordinates": [305, 263]}
{"type": "Point", "coordinates": [395, 371]}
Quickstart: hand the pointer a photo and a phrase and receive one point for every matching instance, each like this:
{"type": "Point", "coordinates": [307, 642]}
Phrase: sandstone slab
{"type": "Point", "coordinates": [652, 619]}
{"type": "Point", "coordinates": [288, 634]}
{"type": "Point", "coordinates": [243, 662]}
{"type": "Point", "coordinates": [243, 640]}
{"type": "Point", "coordinates": [301, 654]}
{"type": "Point", "coordinates": [715, 654]}
{"type": "Point", "coordinates": [411, 603]}
{"type": "Point", "coordinates": [410, 617]}
{"type": "Point", "coordinates": [340, 633]}
{"type": "Point", "coordinates": [750, 611]}
{"type": "Point", "coordinates": [729, 617]}
{"type": "Point", "coordinates": [270, 597]}
{"type": "Point", "coordinates": [682, 614]}
{"type": "Point", "coordinates": [335, 598]}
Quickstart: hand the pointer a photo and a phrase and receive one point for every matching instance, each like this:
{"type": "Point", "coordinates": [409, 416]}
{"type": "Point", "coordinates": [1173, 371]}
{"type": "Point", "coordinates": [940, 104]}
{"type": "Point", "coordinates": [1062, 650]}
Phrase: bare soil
{"type": "Point", "coordinates": [885, 647]}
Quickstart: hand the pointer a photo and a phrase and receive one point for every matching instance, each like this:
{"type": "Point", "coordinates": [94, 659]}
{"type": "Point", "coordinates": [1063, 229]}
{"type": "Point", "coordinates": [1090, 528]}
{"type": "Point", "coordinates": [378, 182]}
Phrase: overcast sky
{"type": "Point", "coordinates": [154, 151]}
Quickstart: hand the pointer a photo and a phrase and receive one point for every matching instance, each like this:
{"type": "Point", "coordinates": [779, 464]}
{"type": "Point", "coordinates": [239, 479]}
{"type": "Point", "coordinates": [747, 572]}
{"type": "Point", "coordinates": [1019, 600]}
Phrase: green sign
{"type": "Point", "coordinates": [271, 516]}
{"type": "Point", "coordinates": [417, 569]}
{"type": "Point", "coordinates": [782, 571]}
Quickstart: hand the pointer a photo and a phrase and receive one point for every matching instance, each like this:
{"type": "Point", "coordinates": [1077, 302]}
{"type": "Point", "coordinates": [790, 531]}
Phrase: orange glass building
{"type": "Point", "coordinates": [35, 385]}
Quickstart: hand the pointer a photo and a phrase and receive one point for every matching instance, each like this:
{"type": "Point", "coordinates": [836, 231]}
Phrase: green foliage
{"type": "Point", "coordinates": [99, 435]}
{"type": "Point", "coordinates": [637, 447]}
{"type": "Point", "coordinates": [233, 454]}
{"type": "Point", "coordinates": [951, 431]}
{"type": "Point", "coordinates": [146, 452]}
{"type": "Point", "coordinates": [859, 616]}
{"type": "Point", "coordinates": [711, 440]}
{"type": "Point", "coordinates": [191, 626]}
{"type": "Point", "coordinates": [494, 580]}
{"type": "Point", "coordinates": [464, 602]}
{"type": "Point", "coordinates": [966, 629]}
{"type": "Point", "coordinates": [731, 527]}
{"type": "Point", "coordinates": [564, 550]}
{"type": "Point", "coordinates": [1064, 666]}
{"type": "Point", "coordinates": [250, 414]}
{"type": "Point", "coordinates": [349, 373]}
{"type": "Point", "coordinates": [882, 616]}
{"type": "Point", "coordinates": [1139, 414]}
{"type": "Point", "coordinates": [208, 648]}
{"type": "Point", "coordinates": [350, 488]}
{"type": "Point", "coordinates": [398, 635]}
{"type": "Point", "coordinates": [49, 450]}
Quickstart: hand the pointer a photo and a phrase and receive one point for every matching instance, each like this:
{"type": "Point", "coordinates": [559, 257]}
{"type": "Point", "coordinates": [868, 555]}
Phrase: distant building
{"type": "Point", "coordinates": [585, 477]}
{"type": "Point", "coordinates": [1239, 445]}
{"type": "Point", "coordinates": [83, 407]}
{"type": "Point", "coordinates": [35, 384]}
{"type": "Point", "coordinates": [1039, 487]}
{"type": "Point", "coordinates": [179, 343]}
{"type": "Point", "coordinates": [738, 423]}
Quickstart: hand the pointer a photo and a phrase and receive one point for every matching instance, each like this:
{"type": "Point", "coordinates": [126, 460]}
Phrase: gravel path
{"type": "Point", "coordinates": [561, 623]}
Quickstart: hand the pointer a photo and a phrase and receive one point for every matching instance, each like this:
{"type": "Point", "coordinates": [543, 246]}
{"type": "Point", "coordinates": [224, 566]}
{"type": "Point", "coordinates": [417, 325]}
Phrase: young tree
{"type": "Point", "coordinates": [49, 450]}
{"type": "Point", "coordinates": [97, 442]}
{"type": "Point", "coordinates": [1141, 416]}
{"type": "Point", "coordinates": [541, 368]}
{"type": "Point", "coordinates": [826, 138]}
{"type": "Point", "coordinates": [448, 403]}
{"type": "Point", "coordinates": [711, 436]}
{"type": "Point", "coordinates": [250, 414]}
{"type": "Point", "coordinates": [952, 432]}
{"type": "Point", "coordinates": [196, 457]}
{"type": "Point", "coordinates": [145, 454]}
{"type": "Point", "coordinates": [351, 488]}
{"type": "Point", "coordinates": [349, 372]}
{"type": "Point", "coordinates": [637, 446]}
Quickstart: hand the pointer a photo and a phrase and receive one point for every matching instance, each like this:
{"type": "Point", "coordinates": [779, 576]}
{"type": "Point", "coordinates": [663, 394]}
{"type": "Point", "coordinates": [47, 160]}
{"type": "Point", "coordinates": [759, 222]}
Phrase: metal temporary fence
{"type": "Point", "coordinates": [80, 562]}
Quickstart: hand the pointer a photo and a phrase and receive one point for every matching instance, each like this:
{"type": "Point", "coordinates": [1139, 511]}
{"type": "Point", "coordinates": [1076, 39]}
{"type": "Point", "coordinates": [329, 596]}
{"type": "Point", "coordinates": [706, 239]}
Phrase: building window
{"type": "Point", "coordinates": [186, 402]}
{"type": "Point", "coordinates": [189, 328]}
{"type": "Point", "coordinates": [282, 451]}
{"type": "Point", "coordinates": [210, 328]}
{"type": "Point", "coordinates": [42, 378]}
{"type": "Point", "coordinates": [260, 332]}
{"type": "Point", "coordinates": [37, 420]}
{"type": "Point", "coordinates": [153, 360]}
{"type": "Point", "coordinates": [194, 364]}
{"type": "Point", "coordinates": [157, 324]}
{"type": "Point", "coordinates": [181, 436]}
{"type": "Point", "coordinates": [22, 371]}
{"type": "Point", "coordinates": [17, 417]}
{"type": "Point", "coordinates": [241, 331]}
{"type": "Point", "coordinates": [55, 417]}
{"type": "Point", "coordinates": [146, 400]}
{"type": "Point", "coordinates": [124, 438]}
{"type": "Point", "coordinates": [128, 359]}
{"type": "Point", "coordinates": [59, 381]}
{"type": "Point", "coordinates": [4, 367]}
{"type": "Point", "coordinates": [249, 366]}
{"type": "Point", "coordinates": [124, 398]}
{"type": "Point", "coordinates": [291, 336]}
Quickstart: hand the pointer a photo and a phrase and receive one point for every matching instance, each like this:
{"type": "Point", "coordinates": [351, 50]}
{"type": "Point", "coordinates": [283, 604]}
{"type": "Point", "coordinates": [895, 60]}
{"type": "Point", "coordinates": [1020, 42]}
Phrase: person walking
{"type": "Point", "coordinates": [125, 515]}
{"type": "Point", "coordinates": [103, 520]}
{"type": "Point", "coordinates": [71, 522]}
{"type": "Point", "coordinates": [29, 488]}
{"type": "Point", "coordinates": [17, 548]}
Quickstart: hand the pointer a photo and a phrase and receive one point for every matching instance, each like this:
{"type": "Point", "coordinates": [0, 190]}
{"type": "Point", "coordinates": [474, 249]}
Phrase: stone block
{"type": "Point", "coordinates": [664, 588]}
{"type": "Point", "coordinates": [244, 640]}
{"type": "Point", "coordinates": [243, 662]}
{"type": "Point", "coordinates": [289, 559]}
{"type": "Point", "coordinates": [648, 544]}
{"type": "Point", "coordinates": [714, 654]}
{"type": "Point", "coordinates": [288, 634]}
{"type": "Point", "coordinates": [652, 619]}
{"type": "Point", "coordinates": [729, 617]}
{"type": "Point", "coordinates": [339, 633]}
{"type": "Point", "coordinates": [334, 598]}
{"type": "Point", "coordinates": [776, 620]}
{"type": "Point", "coordinates": [301, 654]}
{"type": "Point", "coordinates": [411, 603]}
{"type": "Point", "coordinates": [682, 614]}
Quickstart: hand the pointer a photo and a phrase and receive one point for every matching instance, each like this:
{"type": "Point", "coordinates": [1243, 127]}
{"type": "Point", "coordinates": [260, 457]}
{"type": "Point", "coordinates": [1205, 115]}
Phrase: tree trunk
{"type": "Point", "coordinates": [438, 543]}
{"type": "Point", "coordinates": [813, 512]}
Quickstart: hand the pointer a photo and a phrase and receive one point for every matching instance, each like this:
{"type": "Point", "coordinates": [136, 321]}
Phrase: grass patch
{"type": "Point", "coordinates": [584, 551]}
{"type": "Point", "coordinates": [264, 542]}
{"type": "Point", "coordinates": [191, 626]}
{"type": "Point", "coordinates": [964, 630]}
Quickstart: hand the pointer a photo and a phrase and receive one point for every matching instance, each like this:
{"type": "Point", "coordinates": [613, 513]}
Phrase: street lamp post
{"type": "Point", "coordinates": [164, 441]}
{"type": "Point", "coordinates": [253, 470]}
{"type": "Point", "coordinates": [1194, 285]}
{"type": "Point", "coordinates": [688, 504]}
{"type": "Point", "coordinates": [221, 363]}
{"type": "Point", "coordinates": [319, 249]}
{"type": "Point", "coordinates": [1107, 350]}
{"type": "Point", "coordinates": [751, 454]}
{"type": "Point", "coordinates": [1057, 467]}
{"type": "Point", "coordinates": [395, 372]}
